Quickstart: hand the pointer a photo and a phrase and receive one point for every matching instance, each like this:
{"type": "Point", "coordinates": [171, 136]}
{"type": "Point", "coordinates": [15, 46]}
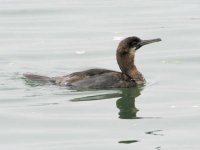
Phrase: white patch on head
{"type": "Point", "coordinates": [132, 51]}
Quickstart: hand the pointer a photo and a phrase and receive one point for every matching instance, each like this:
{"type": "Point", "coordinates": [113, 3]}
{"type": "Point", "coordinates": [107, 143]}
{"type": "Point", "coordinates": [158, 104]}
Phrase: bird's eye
{"type": "Point", "coordinates": [134, 43]}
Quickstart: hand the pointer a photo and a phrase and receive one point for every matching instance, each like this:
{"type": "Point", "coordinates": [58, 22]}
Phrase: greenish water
{"type": "Point", "coordinates": [59, 37]}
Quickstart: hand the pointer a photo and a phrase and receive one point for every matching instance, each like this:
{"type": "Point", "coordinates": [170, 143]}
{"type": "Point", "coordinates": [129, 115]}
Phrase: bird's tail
{"type": "Point", "coordinates": [38, 78]}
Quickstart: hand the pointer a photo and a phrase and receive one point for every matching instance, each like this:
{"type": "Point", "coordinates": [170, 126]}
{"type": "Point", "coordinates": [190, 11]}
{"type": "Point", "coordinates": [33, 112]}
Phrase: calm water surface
{"type": "Point", "coordinates": [58, 37]}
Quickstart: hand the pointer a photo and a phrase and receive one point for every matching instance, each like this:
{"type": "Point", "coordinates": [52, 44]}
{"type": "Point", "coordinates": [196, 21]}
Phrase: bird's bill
{"type": "Point", "coordinates": [145, 42]}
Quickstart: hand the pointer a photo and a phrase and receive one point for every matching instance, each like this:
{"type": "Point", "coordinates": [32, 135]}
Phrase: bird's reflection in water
{"type": "Point", "coordinates": [125, 103]}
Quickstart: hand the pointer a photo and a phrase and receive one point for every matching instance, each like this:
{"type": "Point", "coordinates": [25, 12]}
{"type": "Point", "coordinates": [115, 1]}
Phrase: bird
{"type": "Point", "coordinates": [98, 78]}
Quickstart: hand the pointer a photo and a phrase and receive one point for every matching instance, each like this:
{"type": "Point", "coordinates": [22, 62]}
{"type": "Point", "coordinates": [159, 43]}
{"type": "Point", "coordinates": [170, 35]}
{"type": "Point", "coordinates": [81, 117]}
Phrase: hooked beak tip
{"type": "Point", "coordinates": [159, 39]}
{"type": "Point", "coordinates": [145, 42]}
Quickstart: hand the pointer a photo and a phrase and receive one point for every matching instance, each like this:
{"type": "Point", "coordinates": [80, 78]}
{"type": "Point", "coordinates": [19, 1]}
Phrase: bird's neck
{"type": "Point", "coordinates": [135, 75]}
{"type": "Point", "coordinates": [127, 66]}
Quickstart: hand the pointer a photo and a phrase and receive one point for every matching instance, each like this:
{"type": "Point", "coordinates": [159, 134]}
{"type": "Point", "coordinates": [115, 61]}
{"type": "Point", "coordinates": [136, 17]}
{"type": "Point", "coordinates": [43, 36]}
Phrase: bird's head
{"type": "Point", "coordinates": [133, 43]}
{"type": "Point", "coordinates": [126, 54]}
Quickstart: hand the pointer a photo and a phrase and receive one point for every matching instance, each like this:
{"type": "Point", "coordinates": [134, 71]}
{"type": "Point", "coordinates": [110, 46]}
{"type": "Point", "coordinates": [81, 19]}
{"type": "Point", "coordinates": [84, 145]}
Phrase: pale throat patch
{"type": "Point", "coordinates": [132, 51]}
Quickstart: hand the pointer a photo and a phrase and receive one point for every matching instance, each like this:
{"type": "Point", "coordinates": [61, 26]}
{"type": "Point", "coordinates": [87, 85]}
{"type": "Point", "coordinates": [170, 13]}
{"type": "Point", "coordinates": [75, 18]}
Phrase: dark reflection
{"type": "Point", "coordinates": [128, 141]}
{"type": "Point", "coordinates": [97, 97]}
{"type": "Point", "coordinates": [158, 148]}
{"type": "Point", "coordinates": [125, 103]}
{"type": "Point", "coordinates": [155, 132]}
{"type": "Point", "coordinates": [44, 104]}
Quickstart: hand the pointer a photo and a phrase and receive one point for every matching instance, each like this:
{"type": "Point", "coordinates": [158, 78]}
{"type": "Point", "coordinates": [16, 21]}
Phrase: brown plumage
{"type": "Point", "coordinates": [103, 78]}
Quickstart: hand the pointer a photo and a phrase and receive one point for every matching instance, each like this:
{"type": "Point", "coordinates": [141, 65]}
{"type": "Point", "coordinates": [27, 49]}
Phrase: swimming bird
{"type": "Point", "coordinates": [104, 78]}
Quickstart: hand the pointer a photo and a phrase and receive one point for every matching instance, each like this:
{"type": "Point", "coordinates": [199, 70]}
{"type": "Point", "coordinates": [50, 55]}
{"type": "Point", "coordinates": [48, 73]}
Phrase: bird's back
{"type": "Point", "coordinates": [88, 79]}
{"type": "Point", "coordinates": [95, 79]}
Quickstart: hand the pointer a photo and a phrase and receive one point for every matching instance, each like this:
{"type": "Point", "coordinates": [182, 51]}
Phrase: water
{"type": "Point", "coordinates": [58, 37]}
